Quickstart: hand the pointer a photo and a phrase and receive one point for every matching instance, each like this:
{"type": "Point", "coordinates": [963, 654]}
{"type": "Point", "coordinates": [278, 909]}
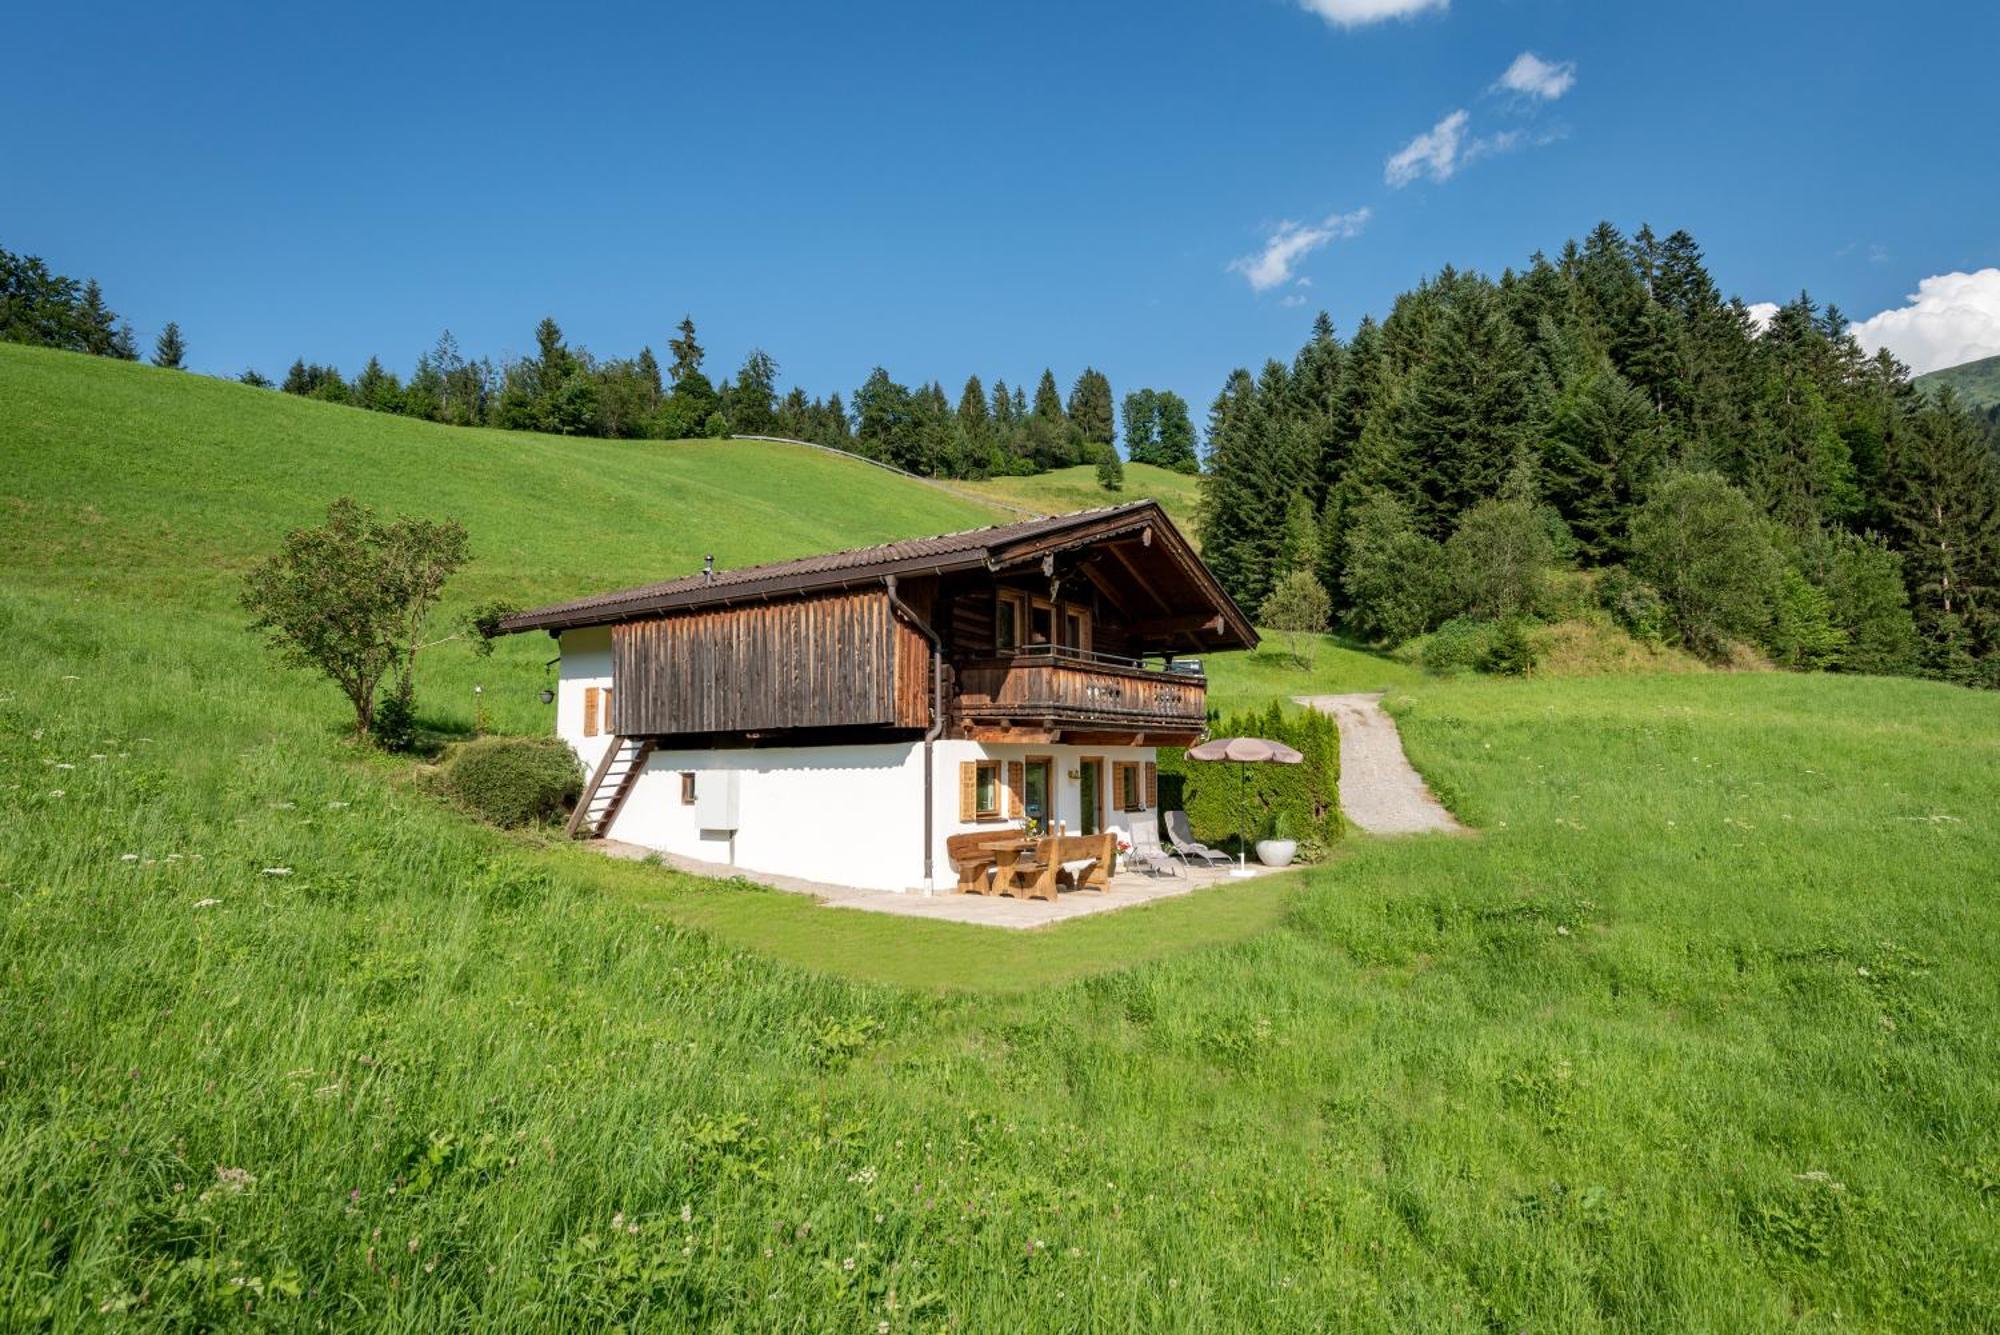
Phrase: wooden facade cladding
{"type": "Point", "coordinates": [839, 660]}
{"type": "Point", "coordinates": [1032, 689]}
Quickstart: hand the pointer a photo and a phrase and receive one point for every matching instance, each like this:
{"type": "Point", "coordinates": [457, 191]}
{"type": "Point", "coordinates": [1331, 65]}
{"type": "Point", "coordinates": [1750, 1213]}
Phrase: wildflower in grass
{"type": "Point", "coordinates": [64, 765]}
{"type": "Point", "coordinates": [206, 903]}
{"type": "Point", "coordinates": [128, 857]}
{"type": "Point", "coordinates": [277, 871]}
{"type": "Point", "coordinates": [55, 792]}
{"type": "Point", "coordinates": [687, 1214]}
{"type": "Point", "coordinates": [99, 755]}
{"type": "Point", "coordinates": [1561, 930]}
{"type": "Point", "coordinates": [847, 1264]}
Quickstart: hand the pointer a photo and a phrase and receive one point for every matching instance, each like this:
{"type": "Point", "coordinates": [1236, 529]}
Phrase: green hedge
{"type": "Point", "coordinates": [1306, 797]}
{"type": "Point", "coordinates": [513, 780]}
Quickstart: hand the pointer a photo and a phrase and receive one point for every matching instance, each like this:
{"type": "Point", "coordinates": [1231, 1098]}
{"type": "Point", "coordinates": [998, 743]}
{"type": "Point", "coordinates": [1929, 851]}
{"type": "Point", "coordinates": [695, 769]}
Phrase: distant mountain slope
{"type": "Point", "coordinates": [1977, 384]}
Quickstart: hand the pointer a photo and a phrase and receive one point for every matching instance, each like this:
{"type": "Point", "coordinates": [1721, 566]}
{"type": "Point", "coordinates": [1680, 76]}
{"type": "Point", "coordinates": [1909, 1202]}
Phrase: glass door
{"type": "Point", "coordinates": [1090, 778]}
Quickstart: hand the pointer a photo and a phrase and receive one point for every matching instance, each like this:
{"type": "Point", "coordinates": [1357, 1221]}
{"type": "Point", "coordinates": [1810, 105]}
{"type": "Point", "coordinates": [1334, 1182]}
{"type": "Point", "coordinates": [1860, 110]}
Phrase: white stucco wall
{"type": "Point", "coordinates": [846, 815]}
{"type": "Point", "coordinates": [586, 661]}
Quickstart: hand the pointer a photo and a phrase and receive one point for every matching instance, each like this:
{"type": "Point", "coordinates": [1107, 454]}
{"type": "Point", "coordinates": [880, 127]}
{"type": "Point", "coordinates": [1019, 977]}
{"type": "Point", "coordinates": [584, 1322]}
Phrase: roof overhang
{"type": "Point", "coordinates": [1008, 548]}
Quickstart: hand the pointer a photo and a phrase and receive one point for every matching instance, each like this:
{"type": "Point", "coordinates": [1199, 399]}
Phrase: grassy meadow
{"type": "Point", "coordinates": [1701, 1032]}
{"type": "Point", "coordinates": [1061, 490]}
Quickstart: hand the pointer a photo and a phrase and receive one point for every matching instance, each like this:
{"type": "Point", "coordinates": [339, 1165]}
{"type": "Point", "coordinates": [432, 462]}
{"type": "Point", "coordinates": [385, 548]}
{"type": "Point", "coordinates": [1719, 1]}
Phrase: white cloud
{"type": "Point", "coordinates": [1291, 242]}
{"type": "Point", "coordinates": [1360, 13]}
{"type": "Point", "coordinates": [1531, 76]}
{"type": "Point", "coordinates": [1433, 153]}
{"type": "Point", "coordinates": [1292, 299]}
{"type": "Point", "coordinates": [1950, 318]}
{"type": "Point", "coordinates": [1762, 313]}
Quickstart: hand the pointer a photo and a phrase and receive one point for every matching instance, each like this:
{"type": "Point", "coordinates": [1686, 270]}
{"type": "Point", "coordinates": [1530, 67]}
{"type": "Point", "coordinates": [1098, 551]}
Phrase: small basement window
{"type": "Point", "coordinates": [687, 788]}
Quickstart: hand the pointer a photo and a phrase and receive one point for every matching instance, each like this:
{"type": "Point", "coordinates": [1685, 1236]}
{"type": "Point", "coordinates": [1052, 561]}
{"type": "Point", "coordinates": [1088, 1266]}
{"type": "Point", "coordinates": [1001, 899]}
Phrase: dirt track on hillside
{"type": "Point", "coordinates": [1380, 791]}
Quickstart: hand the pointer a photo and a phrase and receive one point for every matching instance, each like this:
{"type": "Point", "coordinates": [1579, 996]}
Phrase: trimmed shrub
{"type": "Point", "coordinates": [1304, 799]}
{"type": "Point", "coordinates": [513, 781]}
{"type": "Point", "coordinates": [1454, 647]}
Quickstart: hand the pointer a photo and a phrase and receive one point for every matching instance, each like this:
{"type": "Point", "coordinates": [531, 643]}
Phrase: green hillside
{"type": "Point", "coordinates": [1064, 489]}
{"type": "Point", "coordinates": [1701, 1031]}
{"type": "Point", "coordinates": [1976, 383]}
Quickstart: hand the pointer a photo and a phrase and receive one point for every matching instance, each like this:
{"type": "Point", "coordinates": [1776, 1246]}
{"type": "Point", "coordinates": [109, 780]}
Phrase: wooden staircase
{"type": "Point", "coordinates": [624, 760]}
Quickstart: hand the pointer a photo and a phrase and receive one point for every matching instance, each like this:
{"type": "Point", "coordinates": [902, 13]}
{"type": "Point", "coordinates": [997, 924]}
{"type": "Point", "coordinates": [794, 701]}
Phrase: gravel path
{"type": "Point", "coordinates": [1380, 792]}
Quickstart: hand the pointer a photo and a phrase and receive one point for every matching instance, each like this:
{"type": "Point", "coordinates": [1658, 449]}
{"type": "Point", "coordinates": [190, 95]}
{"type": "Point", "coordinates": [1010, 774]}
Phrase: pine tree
{"type": "Point", "coordinates": [1091, 411]}
{"type": "Point", "coordinates": [169, 349]}
{"type": "Point", "coordinates": [687, 352]}
{"type": "Point", "coordinates": [1602, 448]}
{"type": "Point", "coordinates": [1470, 408]}
{"type": "Point", "coordinates": [96, 322]}
{"type": "Point", "coordinates": [649, 371]}
{"type": "Point", "coordinates": [1049, 404]}
{"type": "Point", "coordinates": [1944, 503]}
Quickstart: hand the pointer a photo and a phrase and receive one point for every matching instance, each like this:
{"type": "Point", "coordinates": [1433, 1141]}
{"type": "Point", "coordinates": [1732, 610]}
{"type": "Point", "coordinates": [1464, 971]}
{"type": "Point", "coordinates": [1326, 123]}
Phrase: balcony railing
{"type": "Point", "coordinates": [1075, 687]}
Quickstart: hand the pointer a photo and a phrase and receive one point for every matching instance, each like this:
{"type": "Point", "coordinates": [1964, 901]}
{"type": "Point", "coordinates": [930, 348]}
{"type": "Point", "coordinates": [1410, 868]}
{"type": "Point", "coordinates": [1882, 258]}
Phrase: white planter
{"type": "Point", "coordinates": [1277, 852]}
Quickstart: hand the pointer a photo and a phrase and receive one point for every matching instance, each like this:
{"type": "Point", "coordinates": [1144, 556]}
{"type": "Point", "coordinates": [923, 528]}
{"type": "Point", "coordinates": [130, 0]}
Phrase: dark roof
{"type": "Point", "coordinates": [992, 547]}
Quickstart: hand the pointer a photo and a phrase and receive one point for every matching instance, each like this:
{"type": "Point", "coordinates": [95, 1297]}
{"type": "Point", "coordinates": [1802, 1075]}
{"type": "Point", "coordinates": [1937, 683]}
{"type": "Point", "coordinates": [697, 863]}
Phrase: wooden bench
{"type": "Point", "coordinates": [1042, 875]}
{"type": "Point", "coordinates": [973, 855]}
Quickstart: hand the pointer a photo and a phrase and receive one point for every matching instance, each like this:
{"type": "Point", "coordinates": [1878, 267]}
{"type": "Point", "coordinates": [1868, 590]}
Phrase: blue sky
{"type": "Point", "coordinates": [951, 188]}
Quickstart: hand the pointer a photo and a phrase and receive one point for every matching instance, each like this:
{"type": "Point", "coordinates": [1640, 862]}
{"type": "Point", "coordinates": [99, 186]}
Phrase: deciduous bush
{"type": "Point", "coordinates": [1803, 635]}
{"type": "Point", "coordinates": [1300, 608]}
{"type": "Point", "coordinates": [1220, 801]}
{"type": "Point", "coordinates": [1393, 577]}
{"type": "Point", "coordinates": [1634, 604]}
{"type": "Point", "coordinates": [1863, 580]}
{"type": "Point", "coordinates": [513, 781]}
{"type": "Point", "coordinates": [1499, 559]}
{"type": "Point", "coordinates": [1704, 546]}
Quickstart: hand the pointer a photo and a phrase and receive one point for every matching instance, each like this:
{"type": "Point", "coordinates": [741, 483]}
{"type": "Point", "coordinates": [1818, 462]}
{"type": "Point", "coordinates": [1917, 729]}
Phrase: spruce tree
{"type": "Point", "coordinates": [687, 352]}
{"type": "Point", "coordinates": [1470, 409]}
{"type": "Point", "coordinates": [169, 349]}
{"type": "Point", "coordinates": [1602, 448]}
{"type": "Point", "coordinates": [1944, 504]}
{"type": "Point", "coordinates": [1091, 411]}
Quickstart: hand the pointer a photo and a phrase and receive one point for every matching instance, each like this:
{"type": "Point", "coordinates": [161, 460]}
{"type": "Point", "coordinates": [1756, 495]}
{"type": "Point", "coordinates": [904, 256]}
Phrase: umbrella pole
{"type": "Point", "coordinates": [1243, 820]}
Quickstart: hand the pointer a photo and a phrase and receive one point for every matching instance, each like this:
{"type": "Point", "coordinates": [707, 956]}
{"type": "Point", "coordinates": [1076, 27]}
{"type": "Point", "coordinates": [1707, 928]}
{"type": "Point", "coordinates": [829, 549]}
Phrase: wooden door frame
{"type": "Point", "coordinates": [1099, 816]}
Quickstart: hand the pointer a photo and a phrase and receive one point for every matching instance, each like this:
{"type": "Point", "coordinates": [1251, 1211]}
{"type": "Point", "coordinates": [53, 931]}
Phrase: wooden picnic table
{"type": "Point", "coordinates": [1007, 857]}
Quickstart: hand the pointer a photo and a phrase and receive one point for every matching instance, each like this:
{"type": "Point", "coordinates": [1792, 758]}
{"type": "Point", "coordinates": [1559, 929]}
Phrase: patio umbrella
{"type": "Point", "coordinates": [1243, 751]}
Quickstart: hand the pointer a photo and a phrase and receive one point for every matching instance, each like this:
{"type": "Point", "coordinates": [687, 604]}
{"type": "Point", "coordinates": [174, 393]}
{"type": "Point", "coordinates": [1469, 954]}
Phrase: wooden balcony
{"type": "Point", "coordinates": [1052, 694]}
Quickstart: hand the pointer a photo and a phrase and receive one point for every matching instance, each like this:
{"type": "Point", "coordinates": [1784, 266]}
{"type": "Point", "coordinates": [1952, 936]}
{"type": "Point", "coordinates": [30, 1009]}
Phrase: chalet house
{"type": "Point", "coordinates": [838, 717]}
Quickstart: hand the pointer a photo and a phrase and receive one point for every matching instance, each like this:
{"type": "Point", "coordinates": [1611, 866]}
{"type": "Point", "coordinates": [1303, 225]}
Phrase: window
{"type": "Point", "coordinates": [1038, 792]}
{"type": "Point", "coordinates": [979, 790]}
{"type": "Point", "coordinates": [1007, 618]}
{"type": "Point", "coordinates": [687, 788]}
{"type": "Point", "coordinates": [1041, 622]}
{"type": "Point", "coordinates": [1128, 788]}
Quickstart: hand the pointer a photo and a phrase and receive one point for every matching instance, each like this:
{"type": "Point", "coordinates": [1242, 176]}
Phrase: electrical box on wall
{"type": "Point", "coordinates": [717, 798]}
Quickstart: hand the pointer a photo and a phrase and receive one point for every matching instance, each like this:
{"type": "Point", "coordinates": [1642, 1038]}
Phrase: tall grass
{"type": "Point", "coordinates": [1698, 1033]}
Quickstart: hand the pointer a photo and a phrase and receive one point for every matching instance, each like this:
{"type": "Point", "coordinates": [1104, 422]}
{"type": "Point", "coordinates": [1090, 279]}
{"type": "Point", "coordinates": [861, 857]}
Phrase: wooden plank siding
{"type": "Point", "coordinates": [832, 661]}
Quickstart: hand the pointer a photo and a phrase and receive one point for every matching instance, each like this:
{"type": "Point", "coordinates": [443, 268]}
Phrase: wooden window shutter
{"type": "Point", "coordinates": [1017, 781]}
{"type": "Point", "coordinates": [1152, 786]}
{"type": "Point", "coordinates": [605, 727]}
{"type": "Point", "coordinates": [968, 791]}
{"type": "Point", "coordinates": [1118, 786]}
{"type": "Point", "coordinates": [590, 694]}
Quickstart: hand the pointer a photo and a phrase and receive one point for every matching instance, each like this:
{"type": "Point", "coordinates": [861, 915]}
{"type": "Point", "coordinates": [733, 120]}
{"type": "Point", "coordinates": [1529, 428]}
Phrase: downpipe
{"type": "Point", "coordinates": [936, 729]}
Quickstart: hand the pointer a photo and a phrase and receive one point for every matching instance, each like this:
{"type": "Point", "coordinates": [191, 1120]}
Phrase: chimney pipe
{"type": "Point", "coordinates": [708, 569]}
